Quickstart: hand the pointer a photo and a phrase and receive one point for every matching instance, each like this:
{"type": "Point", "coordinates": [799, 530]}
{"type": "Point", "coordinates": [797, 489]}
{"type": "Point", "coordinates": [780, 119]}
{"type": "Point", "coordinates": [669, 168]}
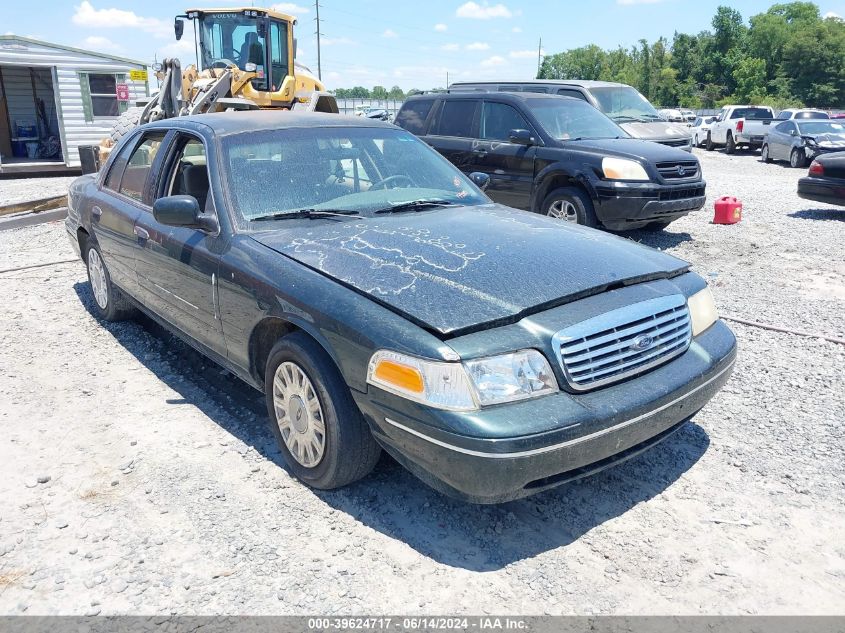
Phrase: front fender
{"type": "Point", "coordinates": [547, 178]}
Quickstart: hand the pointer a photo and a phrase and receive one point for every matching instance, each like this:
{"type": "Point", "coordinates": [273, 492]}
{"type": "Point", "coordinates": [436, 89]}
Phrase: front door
{"type": "Point", "coordinates": [177, 266]}
{"type": "Point", "coordinates": [509, 165]}
{"type": "Point", "coordinates": [780, 140]}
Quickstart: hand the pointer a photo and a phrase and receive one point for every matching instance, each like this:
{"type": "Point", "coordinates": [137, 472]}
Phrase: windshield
{"type": "Point", "coordinates": [232, 39]}
{"type": "Point", "coordinates": [569, 119]}
{"type": "Point", "coordinates": [821, 127]}
{"type": "Point", "coordinates": [622, 103]}
{"type": "Point", "coordinates": [345, 169]}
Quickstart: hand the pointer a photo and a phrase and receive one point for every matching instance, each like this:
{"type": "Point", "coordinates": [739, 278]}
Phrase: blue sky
{"type": "Point", "coordinates": [370, 42]}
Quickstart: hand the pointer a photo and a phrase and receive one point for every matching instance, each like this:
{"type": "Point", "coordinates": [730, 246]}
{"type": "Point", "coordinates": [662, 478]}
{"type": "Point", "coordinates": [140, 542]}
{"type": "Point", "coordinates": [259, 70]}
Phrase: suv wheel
{"type": "Point", "coordinates": [730, 144]}
{"type": "Point", "coordinates": [570, 204]}
{"type": "Point", "coordinates": [322, 435]}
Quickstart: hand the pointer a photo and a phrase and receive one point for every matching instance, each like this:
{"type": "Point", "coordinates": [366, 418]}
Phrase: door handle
{"type": "Point", "coordinates": [141, 232]}
{"type": "Point", "coordinates": [96, 211]}
{"type": "Point", "coordinates": [480, 152]}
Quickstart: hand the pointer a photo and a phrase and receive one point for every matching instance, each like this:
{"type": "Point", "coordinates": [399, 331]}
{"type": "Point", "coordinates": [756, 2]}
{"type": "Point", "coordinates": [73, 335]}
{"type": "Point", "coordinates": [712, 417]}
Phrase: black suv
{"type": "Point", "coordinates": [558, 156]}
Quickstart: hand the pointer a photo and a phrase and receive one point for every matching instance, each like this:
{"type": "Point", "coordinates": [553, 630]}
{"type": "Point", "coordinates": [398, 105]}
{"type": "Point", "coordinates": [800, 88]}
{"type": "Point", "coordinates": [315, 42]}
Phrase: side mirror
{"type": "Point", "coordinates": [521, 137]}
{"type": "Point", "coordinates": [480, 179]}
{"type": "Point", "coordinates": [179, 27]}
{"type": "Point", "coordinates": [183, 211]}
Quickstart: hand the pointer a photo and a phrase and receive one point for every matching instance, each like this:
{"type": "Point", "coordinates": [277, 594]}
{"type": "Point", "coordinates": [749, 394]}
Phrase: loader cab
{"type": "Point", "coordinates": [254, 40]}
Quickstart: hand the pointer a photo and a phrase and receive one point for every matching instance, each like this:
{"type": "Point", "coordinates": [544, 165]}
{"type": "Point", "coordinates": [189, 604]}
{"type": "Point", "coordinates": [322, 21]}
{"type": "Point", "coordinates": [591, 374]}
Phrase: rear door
{"type": "Point", "coordinates": [177, 266]}
{"type": "Point", "coordinates": [510, 166]}
{"type": "Point", "coordinates": [453, 129]}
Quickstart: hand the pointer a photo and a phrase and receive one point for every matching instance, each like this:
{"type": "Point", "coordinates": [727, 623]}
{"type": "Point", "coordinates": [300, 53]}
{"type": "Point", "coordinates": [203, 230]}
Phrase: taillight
{"type": "Point", "coordinates": [739, 126]}
{"type": "Point", "coordinates": [816, 168]}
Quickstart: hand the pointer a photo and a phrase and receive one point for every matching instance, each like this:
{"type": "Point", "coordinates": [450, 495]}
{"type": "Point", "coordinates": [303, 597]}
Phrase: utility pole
{"type": "Point", "coordinates": [447, 80]}
{"type": "Point", "coordinates": [539, 53]}
{"type": "Point", "coordinates": [319, 67]}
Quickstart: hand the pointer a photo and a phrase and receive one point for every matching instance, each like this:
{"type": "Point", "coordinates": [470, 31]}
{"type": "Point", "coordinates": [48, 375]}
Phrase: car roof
{"type": "Point", "coordinates": [503, 95]}
{"type": "Point", "coordinates": [584, 83]}
{"type": "Point", "coordinates": [223, 123]}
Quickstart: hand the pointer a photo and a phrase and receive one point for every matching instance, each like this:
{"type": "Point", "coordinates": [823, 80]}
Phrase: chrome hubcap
{"type": "Point", "coordinates": [299, 414]}
{"type": "Point", "coordinates": [97, 275]}
{"type": "Point", "coordinates": [563, 210]}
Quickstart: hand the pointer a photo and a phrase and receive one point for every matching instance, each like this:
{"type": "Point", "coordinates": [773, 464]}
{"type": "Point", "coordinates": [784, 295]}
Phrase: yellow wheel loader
{"type": "Point", "coordinates": [247, 62]}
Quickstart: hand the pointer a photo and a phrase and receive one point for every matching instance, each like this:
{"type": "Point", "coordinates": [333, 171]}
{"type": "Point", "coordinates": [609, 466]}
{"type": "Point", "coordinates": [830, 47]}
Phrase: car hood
{"type": "Point", "coordinates": [838, 139]}
{"type": "Point", "coordinates": [656, 130]}
{"type": "Point", "coordinates": [458, 268]}
{"type": "Point", "coordinates": [648, 151]}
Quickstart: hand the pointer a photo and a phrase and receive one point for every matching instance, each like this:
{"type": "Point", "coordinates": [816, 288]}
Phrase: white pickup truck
{"type": "Point", "coordinates": [740, 126]}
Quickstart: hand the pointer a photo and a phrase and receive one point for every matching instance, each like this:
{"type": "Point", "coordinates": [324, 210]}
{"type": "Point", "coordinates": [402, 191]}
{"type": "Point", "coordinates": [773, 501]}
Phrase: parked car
{"type": "Point", "coordinates": [689, 115]}
{"type": "Point", "coordinates": [558, 156]}
{"type": "Point", "coordinates": [699, 128]}
{"type": "Point", "coordinates": [674, 116]}
{"type": "Point", "coordinates": [740, 126]}
{"type": "Point", "coordinates": [802, 113]}
{"type": "Point", "coordinates": [381, 114]}
{"type": "Point", "coordinates": [380, 300]}
{"type": "Point", "coordinates": [825, 181]}
{"type": "Point", "coordinates": [622, 103]}
{"type": "Point", "coordinates": [801, 140]}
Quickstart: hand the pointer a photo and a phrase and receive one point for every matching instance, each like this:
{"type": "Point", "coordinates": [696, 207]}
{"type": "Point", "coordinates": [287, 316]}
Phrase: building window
{"type": "Point", "coordinates": [103, 91]}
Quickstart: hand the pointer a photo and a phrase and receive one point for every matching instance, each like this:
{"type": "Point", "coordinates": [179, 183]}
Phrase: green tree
{"type": "Point", "coordinates": [750, 78]}
{"type": "Point", "coordinates": [586, 62]}
{"type": "Point", "coordinates": [359, 92]}
{"type": "Point", "coordinates": [814, 59]}
{"type": "Point", "coordinates": [378, 92]}
{"type": "Point", "coordinates": [396, 93]}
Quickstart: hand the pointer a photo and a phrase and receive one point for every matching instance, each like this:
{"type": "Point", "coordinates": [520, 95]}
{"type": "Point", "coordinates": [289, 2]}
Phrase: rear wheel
{"type": "Point", "coordinates": [730, 144]}
{"type": "Point", "coordinates": [797, 159]}
{"type": "Point", "coordinates": [110, 303]}
{"type": "Point", "coordinates": [570, 204]}
{"type": "Point", "coordinates": [709, 145]}
{"type": "Point", "coordinates": [764, 154]}
{"type": "Point", "coordinates": [127, 122]}
{"type": "Point", "coordinates": [322, 435]}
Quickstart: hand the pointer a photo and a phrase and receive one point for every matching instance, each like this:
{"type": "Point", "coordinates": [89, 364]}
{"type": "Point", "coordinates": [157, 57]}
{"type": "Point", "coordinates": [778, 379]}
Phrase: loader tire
{"type": "Point", "coordinates": [127, 122]}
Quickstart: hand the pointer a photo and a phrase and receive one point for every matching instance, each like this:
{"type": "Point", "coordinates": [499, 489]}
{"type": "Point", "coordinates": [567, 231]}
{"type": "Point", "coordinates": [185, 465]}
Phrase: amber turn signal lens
{"type": "Point", "coordinates": [400, 376]}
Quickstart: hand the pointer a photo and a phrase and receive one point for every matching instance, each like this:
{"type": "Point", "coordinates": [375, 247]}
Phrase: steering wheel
{"type": "Point", "coordinates": [223, 63]}
{"type": "Point", "coordinates": [396, 177]}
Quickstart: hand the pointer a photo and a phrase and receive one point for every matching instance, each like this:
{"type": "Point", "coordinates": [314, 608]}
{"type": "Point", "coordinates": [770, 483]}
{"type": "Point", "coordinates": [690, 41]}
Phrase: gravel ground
{"type": "Point", "coordinates": [14, 191]}
{"type": "Point", "coordinates": [135, 477]}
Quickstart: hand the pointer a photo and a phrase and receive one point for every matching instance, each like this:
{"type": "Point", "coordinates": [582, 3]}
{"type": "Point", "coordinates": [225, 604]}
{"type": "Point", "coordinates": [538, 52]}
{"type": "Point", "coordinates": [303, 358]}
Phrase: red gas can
{"type": "Point", "coordinates": [728, 210]}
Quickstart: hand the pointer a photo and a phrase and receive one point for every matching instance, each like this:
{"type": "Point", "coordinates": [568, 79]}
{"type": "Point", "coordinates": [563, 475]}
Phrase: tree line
{"type": "Point", "coordinates": [789, 56]}
{"type": "Point", "coordinates": [377, 92]}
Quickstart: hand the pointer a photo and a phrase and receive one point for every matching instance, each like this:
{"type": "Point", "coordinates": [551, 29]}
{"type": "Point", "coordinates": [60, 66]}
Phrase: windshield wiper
{"type": "Point", "coordinates": [416, 205]}
{"type": "Point", "coordinates": [305, 213]}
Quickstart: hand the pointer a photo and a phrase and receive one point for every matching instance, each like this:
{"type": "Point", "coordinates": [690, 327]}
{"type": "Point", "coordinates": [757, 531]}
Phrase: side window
{"type": "Point", "coordinates": [498, 119]}
{"type": "Point", "coordinates": [190, 172]}
{"type": "Point", "coordinates": [569, 92]}
{"type": "Point", "coordinates": [542, 89]}
{"type": "Point", "coordinates": [138, 169]}
{"type": "Point", "coordinates": [278, 53]}
{"type": "Point", "coordinates": [456, 118]}
{"type": "Point", "coordinates": [509, 89]}
{"type": "Point", "coordinates": [413, 114]}
{"type": "Point", "coordinates": [784, 128]}
{"type": "Point", "coordinates": [112, 180]}
{"type": "Point", "coordinates": [103, 92]}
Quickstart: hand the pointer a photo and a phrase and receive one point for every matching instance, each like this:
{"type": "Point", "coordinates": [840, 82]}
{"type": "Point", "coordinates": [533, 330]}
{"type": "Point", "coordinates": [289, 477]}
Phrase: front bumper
{"type": "Point", "coordinates": [813, 152]}
{"type": "Point", "coordinates": [623, 206]}
{"type": "Point", "coordinates": [70, 228]}
{"type": "Point", "coordinates": [586, 432]}
{"type": "Point", "coordinates": [829, 191]}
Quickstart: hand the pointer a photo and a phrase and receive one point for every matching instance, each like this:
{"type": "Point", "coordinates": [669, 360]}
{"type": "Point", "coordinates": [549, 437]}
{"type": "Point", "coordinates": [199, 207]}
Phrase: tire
{"type": "Point", "coordinates": [695, 140]}
{"type": "Point", "coordinates": [345, 451]}
{"type": "Point", "coordinates": [127, 122]}
{"type": "Point", "coordinates": [764, 154]}
{"type": "Point", "coordinates": [797, 159]}
{"type": "Point", "coordinates": [730, 144]}
{"type": "Point", "coordinates": [657, 226]}
{"type": "Point", "coordinates": [110, 304]}
{"type": "Point", "coordinates": [572, 202]}
{"type": "Point", "coordinates": [709, 145]}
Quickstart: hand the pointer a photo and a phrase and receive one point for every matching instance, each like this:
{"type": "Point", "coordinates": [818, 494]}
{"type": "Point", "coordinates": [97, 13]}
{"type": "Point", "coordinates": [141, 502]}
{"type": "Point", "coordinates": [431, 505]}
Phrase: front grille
{"type": "Point", "coordinates": [676, 142]}
{"type": "Point", "coordinates": [678, 169]}
{"type": "Point", "coordinates": [681, 194]}
{"type": "Point", "coordinates": [623, 342]}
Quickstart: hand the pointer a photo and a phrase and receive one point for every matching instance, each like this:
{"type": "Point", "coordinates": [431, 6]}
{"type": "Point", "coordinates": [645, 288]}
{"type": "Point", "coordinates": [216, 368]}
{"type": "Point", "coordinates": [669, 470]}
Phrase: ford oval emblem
{"type": "Point", "coordinates": [642, 342]}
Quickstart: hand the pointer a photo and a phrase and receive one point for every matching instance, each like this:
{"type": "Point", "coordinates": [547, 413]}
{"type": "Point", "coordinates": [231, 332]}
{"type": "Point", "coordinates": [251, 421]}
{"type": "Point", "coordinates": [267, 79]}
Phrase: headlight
{"type": "Point", "coordinates": [623, 169]}
{"type": "Point", "coordinates": [702, 311]}
{"type": "Point", "coordinates": [463, 386]}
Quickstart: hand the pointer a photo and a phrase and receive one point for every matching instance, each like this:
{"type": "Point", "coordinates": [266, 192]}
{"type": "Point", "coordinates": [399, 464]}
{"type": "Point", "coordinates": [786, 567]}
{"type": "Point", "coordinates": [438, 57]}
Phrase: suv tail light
{"type": "Point", "coordinates": [816, 168]}
{"type": "Point", "coordinates": [739, 125]}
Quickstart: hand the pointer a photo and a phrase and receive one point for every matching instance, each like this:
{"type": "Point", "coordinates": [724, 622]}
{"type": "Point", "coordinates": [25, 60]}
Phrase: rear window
{"type": "Point", "coordinates": [456, 118]}
{"type": "Point", "coordinates": [413, 114]}
{"type": "Point", "coordinates": [811, 115]}
{"type": "Point", "coordinates": [752, 114]}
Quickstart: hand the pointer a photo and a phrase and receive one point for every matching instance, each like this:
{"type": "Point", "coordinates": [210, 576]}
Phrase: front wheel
{"type": "Point", "coordinates": [709, 145]}
{"type": "Point", "coordinates": [797, 159]}
{"type": "Point", "coordinates": [110, 303]}
{"type": "Point", "coordinates": [764, 154]}
{"type": "Point", "coordinates": [730, 144]}
{"type": "Point", "coordinates": [570, 204]}
{"type": "Point", "coordinates": [322, 435]}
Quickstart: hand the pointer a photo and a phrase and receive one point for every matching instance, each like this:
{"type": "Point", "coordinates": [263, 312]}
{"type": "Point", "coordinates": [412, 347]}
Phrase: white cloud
{"type": "Point", "coordinates": [477, 11]}
{"type": "Point", "coordinates": [493, 61]}
{"type": "Point", "coordinates": [99, 43]}
{"type": "Point", "coordinates": [288, 7]}
{"type": "Point", "coordinates": [832, 14]}
{"type": "Point", "coordinates": [450, 47]}
{"type": "Point", "coordinates": [185, 49]}
{"type": "Point", "coordinates": [527, 54]}
{"type": "Point", "coordinates": [516, 29]}
{"type": "Point", "coordinates": [441, 27]}
{"type": "Point", "coordinates": [631, 2]}
{"type": "Point", "coordinates": [390, 33]}
{"type": "Point", "coordinates": [478, 46]}
{"type": "Point", "coordinates": [87, 15]}
{"type": "Point", "coordinates": [8, 33]}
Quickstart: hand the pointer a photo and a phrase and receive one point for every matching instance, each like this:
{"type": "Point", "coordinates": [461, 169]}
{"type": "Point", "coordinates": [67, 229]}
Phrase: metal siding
{"type": "Point", "coordinates": [68, 64]}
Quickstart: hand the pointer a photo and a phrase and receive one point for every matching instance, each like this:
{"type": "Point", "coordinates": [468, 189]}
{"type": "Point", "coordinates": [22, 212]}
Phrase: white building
{"type": "Point", "coordinates": [55, 98]}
